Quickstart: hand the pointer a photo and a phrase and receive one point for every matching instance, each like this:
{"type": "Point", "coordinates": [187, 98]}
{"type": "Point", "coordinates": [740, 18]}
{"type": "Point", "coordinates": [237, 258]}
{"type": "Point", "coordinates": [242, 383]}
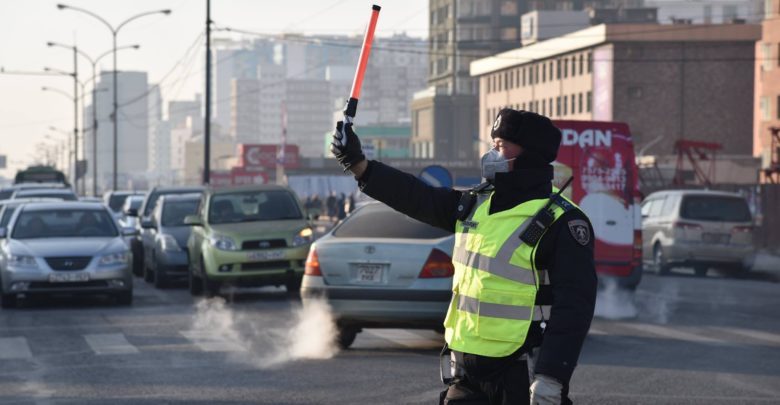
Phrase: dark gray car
{"type": "Point", "coordinates": [145, 239]}
{"type": "Point", "coordinates": [167, 257]}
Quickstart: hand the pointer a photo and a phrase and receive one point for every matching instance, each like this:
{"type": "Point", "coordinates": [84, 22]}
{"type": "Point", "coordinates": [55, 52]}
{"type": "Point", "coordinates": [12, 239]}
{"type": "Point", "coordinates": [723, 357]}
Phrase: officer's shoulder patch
{"type": "Point", "coordinates": [580, 230]}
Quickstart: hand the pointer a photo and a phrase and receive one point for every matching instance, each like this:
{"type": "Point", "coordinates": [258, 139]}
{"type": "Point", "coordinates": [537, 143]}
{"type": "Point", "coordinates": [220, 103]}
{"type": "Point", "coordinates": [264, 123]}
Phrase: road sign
{"type": "Point", "coordinates": [436, 176]}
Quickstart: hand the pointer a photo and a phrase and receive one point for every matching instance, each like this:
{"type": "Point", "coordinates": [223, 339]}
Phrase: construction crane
{"type": "Point", "coordinates": [695, 151]}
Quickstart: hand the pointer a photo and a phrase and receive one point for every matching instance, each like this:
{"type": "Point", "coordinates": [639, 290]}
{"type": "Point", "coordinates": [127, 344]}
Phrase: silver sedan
{"type": "Point", "coordinates": [379, 268]}
{"type": "Point", "coordinates": [64, 247]}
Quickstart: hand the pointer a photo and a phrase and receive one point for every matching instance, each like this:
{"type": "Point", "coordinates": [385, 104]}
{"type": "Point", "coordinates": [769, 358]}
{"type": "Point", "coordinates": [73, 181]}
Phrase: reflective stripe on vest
{"type": "Point", "coordinates": [495, 283]}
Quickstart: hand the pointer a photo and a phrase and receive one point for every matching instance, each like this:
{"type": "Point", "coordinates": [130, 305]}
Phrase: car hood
{"type": "Point", "coordinates": [180, 233]}
{"type": "Point", "coordinates": [259, 229]}
{"type": "Point", "coordinates": [67, 246]}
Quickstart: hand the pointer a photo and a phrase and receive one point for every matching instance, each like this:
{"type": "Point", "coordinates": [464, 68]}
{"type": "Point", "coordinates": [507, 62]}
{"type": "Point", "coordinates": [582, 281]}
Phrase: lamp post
{"type": "Point", "coordinates": [75, 126]}
{"type": "Point", "coordinates": [114, 31]}
{"type": "Point", "coordinates": [93, 62]}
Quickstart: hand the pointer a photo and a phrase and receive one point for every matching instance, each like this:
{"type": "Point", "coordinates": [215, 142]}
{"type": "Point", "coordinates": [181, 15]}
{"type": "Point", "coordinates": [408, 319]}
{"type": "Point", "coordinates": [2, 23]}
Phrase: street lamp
{"type": "Point", "coordinates": [94, 62]}
{"type": "Point", "coordinates": [75, 127]}
{"type": "Point", "coordinates": [114, 32]}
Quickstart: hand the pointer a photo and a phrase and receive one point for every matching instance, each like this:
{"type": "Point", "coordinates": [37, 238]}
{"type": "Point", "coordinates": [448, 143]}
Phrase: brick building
{"type": "Point", "coordinates": [668, 82]}
{"type": "Point", "coordinates": [767, 87]}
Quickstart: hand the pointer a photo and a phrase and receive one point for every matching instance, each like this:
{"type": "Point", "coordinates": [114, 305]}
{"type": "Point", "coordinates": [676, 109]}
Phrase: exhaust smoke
{"type": "Point", "coordinates": [613, 302]}
{"type": "Point", "coordinates": [309, 333]}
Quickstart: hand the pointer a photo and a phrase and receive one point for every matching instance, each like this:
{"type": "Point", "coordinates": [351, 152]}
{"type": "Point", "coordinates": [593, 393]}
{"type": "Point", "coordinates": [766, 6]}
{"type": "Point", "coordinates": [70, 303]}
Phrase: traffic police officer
{"type": "Point", "coordinates": [524, 288]}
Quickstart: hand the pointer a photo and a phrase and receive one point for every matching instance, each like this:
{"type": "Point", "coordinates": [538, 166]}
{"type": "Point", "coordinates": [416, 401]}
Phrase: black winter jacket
{"type": "Point", "coordinates": [570, 265]}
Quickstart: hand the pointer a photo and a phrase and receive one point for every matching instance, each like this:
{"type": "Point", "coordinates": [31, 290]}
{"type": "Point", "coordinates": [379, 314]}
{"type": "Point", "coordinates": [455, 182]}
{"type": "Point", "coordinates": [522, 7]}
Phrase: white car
{"type": "Point", "coordinates": [379, 268]}
{"type": "Point", "coordinates": [64, 247]}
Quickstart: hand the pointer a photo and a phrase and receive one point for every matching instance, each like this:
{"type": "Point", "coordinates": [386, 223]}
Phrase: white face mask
{"type": "Point", "coordinates": [493, 162]}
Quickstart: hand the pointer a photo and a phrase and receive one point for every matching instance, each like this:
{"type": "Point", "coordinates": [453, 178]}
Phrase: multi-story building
{"type": "Point", "coordinates": [182, 111]}
{"type": "Point", "coordinates": [707, 11]}
{"type": "Point", "coordinates": [245, 110]}
{"type": "Point", "coordinates": [133, 130]}
{"type": "Point", "coordinates": [308, 104]}
{"type": "Point", "coordinates": [668, 82]}
{"type": "Point", "coordinates": [766, 120]}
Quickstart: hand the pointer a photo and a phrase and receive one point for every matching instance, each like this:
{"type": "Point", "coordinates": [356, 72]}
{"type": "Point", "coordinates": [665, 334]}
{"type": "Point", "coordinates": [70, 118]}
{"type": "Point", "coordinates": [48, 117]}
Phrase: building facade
{"type": "Point", "coordinates": [767, 93]}
{"type": "Point", "coordinates": [668, 83]}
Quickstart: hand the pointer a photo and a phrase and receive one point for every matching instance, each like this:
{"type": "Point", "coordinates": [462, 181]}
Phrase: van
{"type": "Point", "coordinates": [600, 157]}
{"type": "Point", "coordinates": [697, 228]}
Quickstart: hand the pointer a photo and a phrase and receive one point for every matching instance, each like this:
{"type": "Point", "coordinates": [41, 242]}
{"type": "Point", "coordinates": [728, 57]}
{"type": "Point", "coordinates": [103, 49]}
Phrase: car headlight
{"type": "Point", "coordinates": [22, 261]}
{"type": "Point", "coordinates": [115, 259]}
{"type": "Point", "coordinates": [305, 236]}
{"type": "Point", "coordinates": [169, 244]}
{"type": "Point", "coordinates": [222, 242]}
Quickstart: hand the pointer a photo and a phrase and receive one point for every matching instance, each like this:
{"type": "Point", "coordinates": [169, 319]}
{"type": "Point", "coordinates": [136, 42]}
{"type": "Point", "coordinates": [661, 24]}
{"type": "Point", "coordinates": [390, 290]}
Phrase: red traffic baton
{"type": "Point", "coordinates": [351, 108]}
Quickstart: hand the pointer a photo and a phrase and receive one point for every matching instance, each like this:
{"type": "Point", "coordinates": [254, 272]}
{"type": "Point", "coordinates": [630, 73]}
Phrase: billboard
{"type": "Point", "coordinates": [265, 156]}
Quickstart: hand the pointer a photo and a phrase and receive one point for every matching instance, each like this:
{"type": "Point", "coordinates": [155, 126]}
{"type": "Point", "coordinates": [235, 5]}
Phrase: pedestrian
{"type": "Point", "coordinates": [330, 203]}
{"type": "Point", "coordinates": [524, 288]}
{"type": "Point", "coordinates": [350, 203]}
{"type": "Point", "coordinates": [342, 208]}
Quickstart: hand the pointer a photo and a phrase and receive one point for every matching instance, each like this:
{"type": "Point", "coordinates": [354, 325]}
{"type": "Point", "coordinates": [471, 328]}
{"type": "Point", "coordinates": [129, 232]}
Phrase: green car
{"type": "Point", "coordinates": [248, 236]}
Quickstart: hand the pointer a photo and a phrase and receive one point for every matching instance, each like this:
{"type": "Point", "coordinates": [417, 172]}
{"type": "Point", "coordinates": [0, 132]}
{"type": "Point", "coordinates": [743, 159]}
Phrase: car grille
{"type": "Point", "coordinates": [40, 285]}
{"type": "Point", "coordinates": [272, 265]}
{"type": "Point", "coordinates": [68, 263]}
{"type": "Point", "coordinates": [263, 244]}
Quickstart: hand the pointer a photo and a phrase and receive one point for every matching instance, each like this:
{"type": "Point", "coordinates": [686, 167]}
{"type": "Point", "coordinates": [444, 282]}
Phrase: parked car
{"type": "Point", "coordinates": [64, 248]}
{"type": "Point", "coordinates": [64, 194]}
{"type": "Point", "coordinates": [144, 238]}
{"type": "Point", "coordinates": [248, 236]}
{"type": "Point", "coordinates": [696, 228]}
{"type": "Point", "coordinates": [7, 192]}
{"type": "Point", "coordinates": [167, 257]}
{"type": "Point", "coordinates": [379, 268]}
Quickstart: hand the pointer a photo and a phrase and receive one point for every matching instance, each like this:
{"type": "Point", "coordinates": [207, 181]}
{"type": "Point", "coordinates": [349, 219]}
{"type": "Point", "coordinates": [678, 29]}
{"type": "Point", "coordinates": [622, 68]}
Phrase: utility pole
{"type": "Point", "coordinates": [75, 120]}
{"type": "Point", "coordinates": [207, 118]}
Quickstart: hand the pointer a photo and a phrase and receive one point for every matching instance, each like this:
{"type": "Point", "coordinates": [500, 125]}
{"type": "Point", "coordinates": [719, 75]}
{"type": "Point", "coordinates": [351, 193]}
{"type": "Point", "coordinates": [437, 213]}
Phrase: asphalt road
{"type": "Point", "coordinates": [692, 341]}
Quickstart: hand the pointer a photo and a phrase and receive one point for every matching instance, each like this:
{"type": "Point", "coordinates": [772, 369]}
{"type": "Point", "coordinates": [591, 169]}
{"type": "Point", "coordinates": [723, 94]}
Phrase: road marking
{"type": "Point", "coordinates": [751, 333]}
{"type": "Point", "coordinates": [212, 342]}
{"type": "Point", "coordinates": [670, 332]}
{"type": "Point", "coordinates": [110, 343]}
{"type": "Point", "coordinates": [14, 348]}
{"type": "Point", "coordinates": [404, 337]}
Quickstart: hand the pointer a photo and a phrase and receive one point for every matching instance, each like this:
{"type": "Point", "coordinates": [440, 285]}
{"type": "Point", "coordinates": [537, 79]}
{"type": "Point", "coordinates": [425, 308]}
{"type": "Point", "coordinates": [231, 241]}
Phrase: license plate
{"type": "Point", "coordinates": [369, 273]}
{"type": "Point", "coordinates": [266, 255]}
{"type": "Point", "coordinates": [68, 277]}
{"type": "Point", "coordinates": [718, 238]}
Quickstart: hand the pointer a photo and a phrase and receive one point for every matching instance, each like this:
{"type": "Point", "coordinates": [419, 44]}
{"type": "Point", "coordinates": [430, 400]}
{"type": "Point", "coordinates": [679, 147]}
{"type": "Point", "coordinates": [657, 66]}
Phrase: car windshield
{"type": "Point", "coordinates": [250, 206]}
{"type": "Point", "coordinates": [116, 201]}
{"type": "Point", "coordinates": [156, 196]}
{"type": "Point", "coordinates": [64, 223]}
{"type": "Point", "coordinates": [715, 208]}
{"type": "Point", "coordinates": [132, 202]}
{"type": "Point", "coordinates": [380, 221]}
{"type": "Point", "coordinates": [42, 194]}
{"type": "Point", "coordinates": [173, 212]}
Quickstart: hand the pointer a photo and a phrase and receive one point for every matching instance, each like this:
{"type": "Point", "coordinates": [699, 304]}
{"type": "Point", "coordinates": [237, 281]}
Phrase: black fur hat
{"type": "Point", "coordinates": [537, 135]}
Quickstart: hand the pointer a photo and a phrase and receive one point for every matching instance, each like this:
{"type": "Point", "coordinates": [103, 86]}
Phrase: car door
{"type": "Point", "coordinates": [197, 234]}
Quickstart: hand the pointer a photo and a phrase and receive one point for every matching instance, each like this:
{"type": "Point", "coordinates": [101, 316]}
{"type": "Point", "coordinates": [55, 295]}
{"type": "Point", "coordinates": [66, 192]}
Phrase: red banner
{"type": "Point", "coordinates": [265, 156]}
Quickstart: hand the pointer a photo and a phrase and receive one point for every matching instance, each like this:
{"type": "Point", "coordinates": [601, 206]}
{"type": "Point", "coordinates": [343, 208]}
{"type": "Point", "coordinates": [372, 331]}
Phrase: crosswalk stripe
{"type": "Point", "coordinates": [751, 333]}
{"type": "Point", "coordinates": [110, 343]}
{"type": "Point", "coordinates": [671, 333]}
{"type": "Point", "coordinates": [14, 348]}
{"type": "Point", "coordinates": [212, 342]}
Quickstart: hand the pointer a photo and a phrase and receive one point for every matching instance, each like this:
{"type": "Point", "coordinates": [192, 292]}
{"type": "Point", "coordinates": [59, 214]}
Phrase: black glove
{"type": "Point", "coordinates": [346, 146]}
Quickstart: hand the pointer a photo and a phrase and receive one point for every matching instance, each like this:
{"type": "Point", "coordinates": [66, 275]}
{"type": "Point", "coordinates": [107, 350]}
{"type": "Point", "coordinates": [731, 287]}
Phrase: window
{"type": "Point", "coordinates": [565, 67]}
{"type": "Point", "coordinates": [517, 77]}
{"type": "Point", "coordinates": [669, 204]}
{"type": "Point", "coordinates": [565, 103]}
{"type": "Point", "coordinates": [581, 64]}
{"type": "Point", "coordinates": [558, 105]}
{"type": "Point", "coordinates": [558, 70]}
{"type": "Point", "coordinates": [729, 13]}
{"type": "Point", "coordinates": [511, 80]}
{"type": "Point", "coordinates": [765, 108]}
{"type": "Point", "coordinates": [708, 14]}
{"type": "Point", "coordinates": [657, 208]}
{"type": "Point", "coordinates": [573, 104]}
{"type": "Point", "coordinates": [768, 8]}
{"type": "Point", "coordinates": [522, 73]}
{"type": "Point", "coordinates": [590, 102]}
{"type": "Point", "coordinates": [778, 107]}
{"type": "Point", "coordinates": [573, 66]}
{"type": "Point", "coordinates": [767, 55]}
{"type": "Point", "coordinates": [579, 101]}
{"type": "Point", "coordinates": [544, 108]}
{"type": "Point", "coordinates": [544, 74]}
{"type": "Point", "coordinates": [590, 62]}
{"type": "Point", "coordinates": [551, 71]}
{"type": "Point", "coordinates": [550, 106]}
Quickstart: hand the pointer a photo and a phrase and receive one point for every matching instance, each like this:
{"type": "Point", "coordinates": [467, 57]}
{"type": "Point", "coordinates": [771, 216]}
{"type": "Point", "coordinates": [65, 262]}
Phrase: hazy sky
{"type": "Point", "coordinates": [27, 112]}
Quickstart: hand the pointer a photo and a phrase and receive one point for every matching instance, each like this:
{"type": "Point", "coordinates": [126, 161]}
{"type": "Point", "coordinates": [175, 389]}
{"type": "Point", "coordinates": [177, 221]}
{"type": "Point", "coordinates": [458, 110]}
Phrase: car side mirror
{"type": "Point", "coordinates": [131, 212]}
{"type": "Point", "coordinates": [193, 220]}
{"type": "Point", "coordinates": [129, 231]}
{"type": "Point", "coordinates": [147, 223]}
{"type": "Point", "coordinates": [3, 232]}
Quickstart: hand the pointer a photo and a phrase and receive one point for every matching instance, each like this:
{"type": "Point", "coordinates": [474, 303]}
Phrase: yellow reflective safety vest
{"type": "Point", "coordinates": [496, 280]}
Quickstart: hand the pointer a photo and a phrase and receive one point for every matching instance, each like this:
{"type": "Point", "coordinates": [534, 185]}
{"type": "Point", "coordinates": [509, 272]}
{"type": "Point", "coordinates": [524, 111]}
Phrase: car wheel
{"type": "Point", "coordinates": [160, 280]}
{"type": "Point", "coordinates": [196, 286]}
{"type": "Point", "coordinates": [138, 260]}
{"type": "Point", "coordinates": [125, 298]}
{"type": "Point", "coordinates": [293, 285]}
{"type": "Point", "coordinates": [346, 336]}
{"type": "Point", "coordinates": [701, 271]}
{"type": "Point", "coordinates": [8, 300]}
{"type": "Point", "coordinates": [659, 261]}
